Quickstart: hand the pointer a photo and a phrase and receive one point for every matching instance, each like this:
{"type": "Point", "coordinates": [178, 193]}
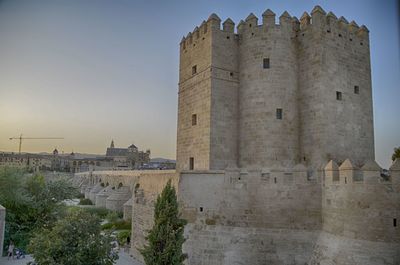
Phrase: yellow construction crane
{"type": "Point", "coordinates": [20, 138]}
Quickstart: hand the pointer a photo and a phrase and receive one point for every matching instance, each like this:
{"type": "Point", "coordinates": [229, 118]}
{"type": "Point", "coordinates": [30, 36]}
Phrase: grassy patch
{"type": "Point", "coordinates": [117, 225]}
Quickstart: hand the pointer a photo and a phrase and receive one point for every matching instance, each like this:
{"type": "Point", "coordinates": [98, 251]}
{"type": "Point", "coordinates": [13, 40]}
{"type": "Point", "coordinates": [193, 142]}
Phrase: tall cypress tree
{"type": "Point", "coordinates": [165, 239]}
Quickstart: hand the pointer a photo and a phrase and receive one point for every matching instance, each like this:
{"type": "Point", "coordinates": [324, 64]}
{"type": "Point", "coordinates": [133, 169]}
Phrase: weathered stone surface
{"type": "Point", "coordinates": [102, 195]}
{"type": "Point", "coordinates": [94, 190]}
{"type": "Point", "coordinates": [261, 190]}
{"type": "Point", "coordinates": [265, 216]}
{"type": "Point", "coordinates": [2, 226]}
{"type": "Point", "coordinates": [235, 99]}
{"type": "Point", "coordinates": [128, 209]}
{"type": "Point", "coordinates": [116, 200]}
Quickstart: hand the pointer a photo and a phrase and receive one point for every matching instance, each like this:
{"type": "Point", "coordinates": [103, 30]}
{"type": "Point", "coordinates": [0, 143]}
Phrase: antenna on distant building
{"type": "Point", "coordinates": [112, 143]}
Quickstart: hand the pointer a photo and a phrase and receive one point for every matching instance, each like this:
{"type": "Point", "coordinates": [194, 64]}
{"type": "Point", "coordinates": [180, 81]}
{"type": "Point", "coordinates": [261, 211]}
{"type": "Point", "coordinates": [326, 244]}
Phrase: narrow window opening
{"type": "Point", "coordinates": [394, 222]}
{"type": "Point", "coordinates": [304, 158]}
{"type": "Point", "coordinates": [266, 63]}
{"type": "Point", "coordinates": [203, 38]}
{"type": "Point", "coordinates": [351, 39]}
{"type": "Point", "coordinates": [194, 119]}
{"type": "Point", "coordinates": [279, 114]}
{"type": "Point", "coordinates": [191, 163]}
{"type": "Point", "coordinates": [356, 90]}
{"type": "Point", "coordinates": [340, 35]}
{"type": "Point", "coordinates": [274, 180]}
{"type": "Point", "coordinates": [345, 180]}
{"type": "Point", "coordinates": [302, 34]}
{"type": "Point", "coordinates": [194, 44]}
{"type": "Point", "coordinates": [329, 31]}
{"type": "Point", "coordinates": [361, 43]}
{"type": "Point", "coordinates": [228, 37]}
{"type": "Point", "coordinates": [265, 176]}
{"type": "Point", "coordinates": [231, 74]}
{"type": "Point", "coordinates": [194, 69]}
{"type": "Point", "coordinates": [250, 25]}
{"type": "Point", "coordinates": [239, 178]}
{"type": "Point", "coordinates": [252, 34]}
{"type": "Point", "coordinates": [201, 209]}
{"type": "Point", "coordinates": [338, 95]}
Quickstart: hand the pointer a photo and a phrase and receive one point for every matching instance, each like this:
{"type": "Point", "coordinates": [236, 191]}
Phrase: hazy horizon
{"type": "Point", "coordinates": [93, 71]}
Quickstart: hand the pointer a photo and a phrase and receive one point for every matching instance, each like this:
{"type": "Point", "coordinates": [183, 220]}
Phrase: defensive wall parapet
{"type": "Point", "coordinates": [277, 215]}
{"type": "Point", "coordinates": [318, 20]}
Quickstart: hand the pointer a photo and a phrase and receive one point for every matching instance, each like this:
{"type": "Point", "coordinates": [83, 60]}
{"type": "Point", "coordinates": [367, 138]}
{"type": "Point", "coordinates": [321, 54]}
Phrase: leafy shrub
{"type": "Point", "coordinates": [117, 225]}
{"type": "Point", "coordinates": [107, 226]}
{"type": "Point", "coordinates": [100, 212]}
{"type": "Point", "coordinates": [112, 217]}
{"type": "Point", "coordinates": [76, 239]}
{"type": "Point", "coordinates": [122, 236]}
{"type": "Point", "coordinates": [85, 202]}
{"type": "Point", "coordinates": [120, 215]}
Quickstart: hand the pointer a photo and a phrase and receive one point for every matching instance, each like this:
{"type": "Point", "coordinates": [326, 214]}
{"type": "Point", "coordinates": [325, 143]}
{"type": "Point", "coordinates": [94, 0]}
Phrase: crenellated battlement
{"type": "Point", "coordinates": [369, 173]}
{"type": "Point", "coordinates": [319, 20]}
{"type": "Point", "coordinates": [202, 31]}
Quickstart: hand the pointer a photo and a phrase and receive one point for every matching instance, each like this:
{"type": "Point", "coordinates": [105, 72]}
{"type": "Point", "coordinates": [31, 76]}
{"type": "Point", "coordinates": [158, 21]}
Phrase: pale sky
{"type": "Point", "coordinates": [95, 70]}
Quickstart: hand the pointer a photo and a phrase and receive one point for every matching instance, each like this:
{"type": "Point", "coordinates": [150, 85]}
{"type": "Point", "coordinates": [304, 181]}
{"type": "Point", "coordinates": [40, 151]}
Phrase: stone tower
{"type": "Point", "coordinates": [274, 95]}
{"type": "Point", "coordinates": [208, 97]}
{"type": "Point", "coordinates": [335, 93]}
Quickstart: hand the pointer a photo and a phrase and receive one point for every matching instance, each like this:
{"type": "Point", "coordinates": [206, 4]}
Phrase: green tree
{"type": "Point", "coordinates": [12, 194]}
{"type": "Point", "coordinates": [31, 202]}
{"type": "Point", "coordinates": [396, 153]}
{"type": "Point", "coordinates": [73, 240]}
{"type": "Point", "coordinates": [18, 204]}
{"type": "Point", "coordinates": [165, 239]}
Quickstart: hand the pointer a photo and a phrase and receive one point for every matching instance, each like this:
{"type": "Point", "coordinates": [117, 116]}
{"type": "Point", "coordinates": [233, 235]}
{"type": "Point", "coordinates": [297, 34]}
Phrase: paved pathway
{"type": "Point", "coordinates": [124, 259]}
{"type": "Point", "coordinates": [4, 261]}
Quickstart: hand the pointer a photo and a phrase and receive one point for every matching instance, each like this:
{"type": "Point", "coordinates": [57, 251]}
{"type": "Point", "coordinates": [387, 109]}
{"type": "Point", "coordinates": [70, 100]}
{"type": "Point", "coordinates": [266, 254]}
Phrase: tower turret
{"type": "Point", "coordinates": [207, 111]}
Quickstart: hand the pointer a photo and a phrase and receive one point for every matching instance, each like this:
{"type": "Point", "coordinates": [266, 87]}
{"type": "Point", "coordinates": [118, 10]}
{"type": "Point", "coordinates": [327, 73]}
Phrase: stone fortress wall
{"type": "Point", "coordinates": [235, 98]}
{"type": "Point", "coordinates": [256, 189]}
{"type": "Point", "coordinates": [273, 216]}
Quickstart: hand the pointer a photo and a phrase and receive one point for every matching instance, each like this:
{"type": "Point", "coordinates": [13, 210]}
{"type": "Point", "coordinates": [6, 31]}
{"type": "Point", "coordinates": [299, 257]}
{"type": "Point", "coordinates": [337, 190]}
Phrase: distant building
{"type": "Point", "coordinates": [129, 158]}
{"type": "Point", "coordinates": [115, 159]}
{"type": "Point", "coordinates": [160, 163]}
{"type": "Point", "coordinates": [33, 162]}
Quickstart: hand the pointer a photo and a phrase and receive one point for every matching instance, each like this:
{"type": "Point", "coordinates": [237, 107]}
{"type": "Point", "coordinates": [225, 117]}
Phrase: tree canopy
{"type": "Point", "coordinates": [396, 153]}
{"type": "Point", "coordinates": [31, 202]}
{"type": "Point", "coordinates": [73, 240]}
{"type": "Point", "coordinates": [165, 239]}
